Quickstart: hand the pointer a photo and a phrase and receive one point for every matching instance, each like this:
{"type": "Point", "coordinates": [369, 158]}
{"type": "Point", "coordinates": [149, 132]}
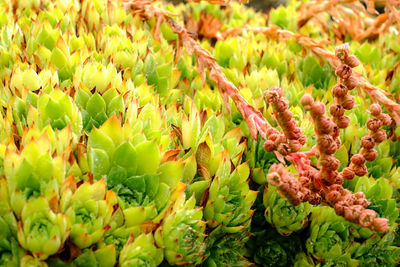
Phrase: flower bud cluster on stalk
{"type": "Point", "coordinates": [292, 138]}
{"type": "Point", "coordinates": [375, 136]}
{"type": "Point", "coordinates": [327, 181]}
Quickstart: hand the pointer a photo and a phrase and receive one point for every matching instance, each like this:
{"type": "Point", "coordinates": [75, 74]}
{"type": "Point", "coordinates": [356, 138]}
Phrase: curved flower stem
{"type": "Point", "coordinates": [274, 32]}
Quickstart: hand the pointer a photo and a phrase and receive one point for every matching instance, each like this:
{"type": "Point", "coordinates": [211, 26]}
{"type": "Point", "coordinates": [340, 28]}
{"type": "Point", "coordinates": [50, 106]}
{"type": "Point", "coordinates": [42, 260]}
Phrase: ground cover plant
{"type": "Point", "coordinates": [204, 133]}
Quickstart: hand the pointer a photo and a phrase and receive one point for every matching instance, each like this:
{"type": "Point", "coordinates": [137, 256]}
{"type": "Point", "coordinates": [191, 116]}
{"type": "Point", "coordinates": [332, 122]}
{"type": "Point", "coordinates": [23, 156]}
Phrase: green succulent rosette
{"type": "Point", "coordinates": [181, 233]}
{"type": "Point", "coordinates": [40, 230]}
{"type": "Point", "coordinates": [96, 108]}
{"type": "Point", "coordinates": [89, 210]}
{"type": "Point", "coordinates": [225, 249]}
{"type": "Point", "coordinates": [97, 96]}
{"type": "Point", "coordinates": [376, 251]}
{"type": "Point", "coordinates": [141, 251]}
{"type": "Point", "coordinates": [329, 234]}
{"type": "Point", "coordinates": [34, 171]}
{"type": "Point", "coordinates": [280, 213]}
{"type": "Point", "coordinates": [133, 170]}
{"type": "Point", "coordinates": [229, 197]}
{"type": "Point", "coordinates": [58, 110]}
{"type": "Point", "coordinates": [269, 248]}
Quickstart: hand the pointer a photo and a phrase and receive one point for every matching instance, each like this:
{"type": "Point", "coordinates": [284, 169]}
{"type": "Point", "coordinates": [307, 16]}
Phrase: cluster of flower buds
{"type": "Point", "coordinates": [292, 138]}
{"type": "Point", "coordinates": [353, 207]}
{"type": "Point", "coordinates": [291, 188]}
{"type": "Point", "coordinates": [328, 140]}
{"type": "Point", "coordinates": [343, 100]}
{"type": "Point", "coordinates": [344, 71]}
{"type": "Point", "coordinates": [367, 152]}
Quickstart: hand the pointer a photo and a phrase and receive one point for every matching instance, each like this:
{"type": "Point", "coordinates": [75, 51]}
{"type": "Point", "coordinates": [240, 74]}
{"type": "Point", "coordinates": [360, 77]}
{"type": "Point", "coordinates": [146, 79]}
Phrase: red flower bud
{"type": "Point", "coordinates": [358, 159]}
{"type": "Point", "coordinates": [367, 217]}
{"type": "Point", "coordinates": [281, 139]}
{"type": "Point", "coordinates": [342, 51]}
{"type": "Point", "coordinates": [281, 105]}
{"type": "Point", "coordinates": [374, 124]}
{"type": "Point", "coordinates": [273, 137]}
{"type": "Point", "coordinates": [351, 82]}
{"type": "Point", "coordinates": [286, 115]}
{"type": "Point", "coordinates": [302, 140]}
{"type": "Point", "coordinates": [369, 154]}
{"type": "Point", "coordinates": [327, 144]}
{"type": "Point", "coordinates": [269, 146]}
{"type": "Point", "coordinates": [329, 162]}
{"type": "Point", "coordinates": [343, 71]}
{"type": "Point", "coordinates": [273, 95]}
{"type": "Point", "coordinates": [336, 110]}
{"type": "Point", "coordinates": [367, 142]}
{"type": "Point", "coordinates": [348, 173]}
{"type": "Point", "coordinates": [314, 198]}
{"type": "Point", "coordinates": [375, 109]}
{"type": "Point", "coordinates": [358, 198]}
{"type": "Point", "coordinates": [347, 102]}
{"type": "Point", "coordinates": [290, 125]}
{"type": "Point", "coordinates": [294, 145]}
{"type": "Point", "coordinates": [360, 170]}
{"type": "Point", "coordinates": [339, 90]}
{"type": "Point", "coordinates": [385, 119]}
{"type": "Point", "coordinates": [379, 136]}
{"type": "Point", "coordinates": [352, 61]}
{"type": "Point", "coordinates": [333, 196]}
{"type": "Point", "coordinates": [283, 148]}
{"type": "Point", "coordinates": [318, 109]}
{"type": "Point", "coordinates": [339, 209]}
{"type": "Point", "coordinates": [324, 125]}
{"type": "Point", "coordinates": [272, 131]}
{"type": "Point", "coordinates": [306, 100]}
{"type": "Point", "coordinates": [295, 133]}
{"type": "Point", "coordinates": [343, 122]}
{"type": "Point", "coordinates": [381, 224]}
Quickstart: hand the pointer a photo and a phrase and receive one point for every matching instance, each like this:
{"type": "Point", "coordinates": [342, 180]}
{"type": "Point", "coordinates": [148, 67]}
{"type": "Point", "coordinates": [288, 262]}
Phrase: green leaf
{"type": "Point", "coordinates": [58, 59]}
{"type": "Point", "coordinates": [99, 162]}
{"type": "Point", "coordinates": [148, 158]}
{"type": "Point", "coordinates": [95, 105]}
{"type": "Point", "coordinates": [171, 172]}
{"type": "Point", "coordinates": [342, 155]}
{"type": "Point", "coordinates": [167, 32]}
{"type": "Point", "coordinates": [125, 156]}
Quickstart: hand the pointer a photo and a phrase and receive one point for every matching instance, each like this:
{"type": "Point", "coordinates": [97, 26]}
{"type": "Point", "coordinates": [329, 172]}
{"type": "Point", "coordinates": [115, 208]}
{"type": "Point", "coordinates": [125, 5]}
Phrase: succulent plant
{"type": "Point", "coordinates": [40, 230]}
{"type": "Point", "coordinates": [229, 197]}
{"type": "Point", "coordinates": [227, 249]}
{"type": "Point", "coordinates": [181, 234]}
{"type": "Point", "coordinates": [329, 237]}
{"type": "Point", "coordinates": [285, 217]}
{"type": "Point", "coordinates": [141, 251]}
{"type": "Point", "coordinates": [269, 248]}
{"type": "Point", "coordinates": [89, 208]}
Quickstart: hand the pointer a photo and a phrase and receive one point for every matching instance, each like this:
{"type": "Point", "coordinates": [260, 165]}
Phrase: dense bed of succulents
{"type": "Point", "coordinates": [123, 141]}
